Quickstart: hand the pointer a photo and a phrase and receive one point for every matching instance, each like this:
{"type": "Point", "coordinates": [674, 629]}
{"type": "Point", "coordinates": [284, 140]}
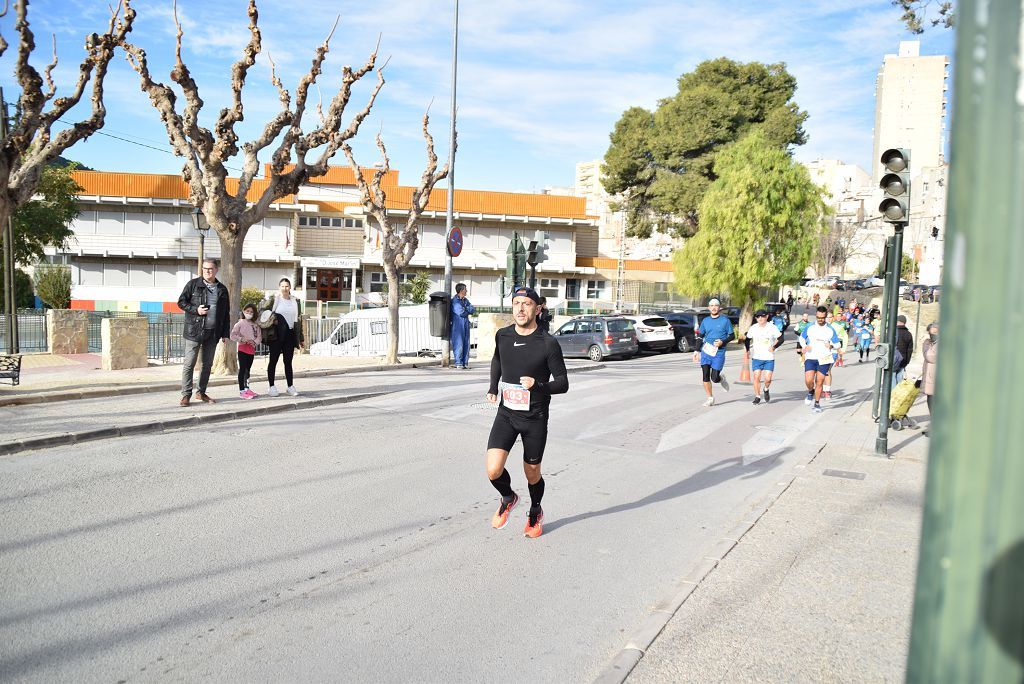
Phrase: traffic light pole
{"type": "Point", "coordinates": [892, 302]}
{"type": "Point", "coordinates": [882, 334]}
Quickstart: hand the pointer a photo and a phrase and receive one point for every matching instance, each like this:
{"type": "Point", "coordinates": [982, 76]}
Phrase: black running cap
{"type": "Point", "coordinates": [527, 292]}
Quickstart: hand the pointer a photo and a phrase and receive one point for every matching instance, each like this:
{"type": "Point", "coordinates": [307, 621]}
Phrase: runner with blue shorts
{"type": "Point", "coordinates": [817, 343]}
{"type": "Point", "coordinates": [713, 334]}
{"type": "Point", "coordinates": [761, 341]}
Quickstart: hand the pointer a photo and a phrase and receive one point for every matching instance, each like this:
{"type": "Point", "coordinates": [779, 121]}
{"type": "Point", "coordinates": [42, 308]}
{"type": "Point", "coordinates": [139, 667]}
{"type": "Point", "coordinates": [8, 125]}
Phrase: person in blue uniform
{"type": "Point", "coordinates": [714, 333]}
{"type": "Point", "coordinates": [461, 310]}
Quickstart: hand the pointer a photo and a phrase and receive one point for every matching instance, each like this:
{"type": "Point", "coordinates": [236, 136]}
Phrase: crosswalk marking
{"type": "Point", "coordinates": [702, 426]}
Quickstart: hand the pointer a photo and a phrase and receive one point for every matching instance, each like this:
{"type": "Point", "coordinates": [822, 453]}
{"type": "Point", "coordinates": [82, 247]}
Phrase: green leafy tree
{"type": "Point", "coordinates": [53, 285]}
{"type": "Point", "coordinates": [414, 290]}
{"type": "Point", "coordinates": [760, 222]}
{"type": "Point", "coordinates": [251, 295]}
{"type": "Point", "coordinates": [46, 219]}
{"type": "Point", "coordinates": [24, 296]}
{"type": "Point", "coordinates": [662, 162]}
{"type": "Point", "coordinates": [907, 267]}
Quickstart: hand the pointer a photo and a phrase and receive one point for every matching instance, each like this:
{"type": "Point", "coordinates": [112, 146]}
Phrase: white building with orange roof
{"type": "Point", "coordinates": [135, 246]}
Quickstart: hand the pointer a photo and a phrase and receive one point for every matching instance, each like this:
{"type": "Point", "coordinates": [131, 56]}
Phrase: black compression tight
{"type": "Point", "coordinates": [504, 484]}
{"type": "Point", "coordinates": [537, 492]}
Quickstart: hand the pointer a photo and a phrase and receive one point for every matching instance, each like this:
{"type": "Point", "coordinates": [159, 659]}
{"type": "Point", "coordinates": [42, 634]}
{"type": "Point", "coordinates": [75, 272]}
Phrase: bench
{"type": "Point", "coordinates": [10, 368]}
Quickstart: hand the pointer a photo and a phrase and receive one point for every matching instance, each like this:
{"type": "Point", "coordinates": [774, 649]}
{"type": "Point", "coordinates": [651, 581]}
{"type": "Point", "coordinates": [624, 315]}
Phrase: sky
{"type": "Point", "coordinates": [540, 83]}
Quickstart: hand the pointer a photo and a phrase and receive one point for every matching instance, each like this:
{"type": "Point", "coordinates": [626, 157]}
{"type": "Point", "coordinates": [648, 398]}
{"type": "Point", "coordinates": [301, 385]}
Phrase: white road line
{"type": "Point", "coordinates": [774, 438]}
{"type": "Point", "coordinates": [702, 426]}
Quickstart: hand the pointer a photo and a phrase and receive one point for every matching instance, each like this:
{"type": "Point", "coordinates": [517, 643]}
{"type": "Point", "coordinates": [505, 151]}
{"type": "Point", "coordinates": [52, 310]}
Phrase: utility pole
{"type": "Point", "coordinates": [9, 282]}
{"type": "Point", "coordinates": [446, 343]}
{"type": "Point", "coordinates": [968, 605]}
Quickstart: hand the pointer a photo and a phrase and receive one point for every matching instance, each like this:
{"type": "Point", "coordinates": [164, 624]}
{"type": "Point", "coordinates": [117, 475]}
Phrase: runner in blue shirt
{"type": "Point", "coordinates": [713, 334]}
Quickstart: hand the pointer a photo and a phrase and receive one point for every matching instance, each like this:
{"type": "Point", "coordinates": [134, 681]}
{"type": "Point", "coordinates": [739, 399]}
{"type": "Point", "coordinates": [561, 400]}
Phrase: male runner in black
{"type": "Point", "coordinates": [527, 368]}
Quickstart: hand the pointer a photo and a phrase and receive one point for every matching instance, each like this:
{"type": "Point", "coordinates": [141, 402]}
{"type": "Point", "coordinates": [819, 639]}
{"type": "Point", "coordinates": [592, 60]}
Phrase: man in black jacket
{"type": "Point", "coordinates": [905, 346]}
{"type": "Point", "coordinates": [207, 310]}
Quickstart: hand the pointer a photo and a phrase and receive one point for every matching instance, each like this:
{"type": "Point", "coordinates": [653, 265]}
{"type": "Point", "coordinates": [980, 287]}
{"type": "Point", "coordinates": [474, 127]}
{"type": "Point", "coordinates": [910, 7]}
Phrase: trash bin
{"type": "Point", "coordinates": [440, 307]}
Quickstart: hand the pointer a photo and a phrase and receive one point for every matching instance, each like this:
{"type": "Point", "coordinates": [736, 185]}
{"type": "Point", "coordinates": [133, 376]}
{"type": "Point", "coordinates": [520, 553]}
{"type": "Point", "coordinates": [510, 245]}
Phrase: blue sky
{"type": "Point", "coordinates": [541, 82]}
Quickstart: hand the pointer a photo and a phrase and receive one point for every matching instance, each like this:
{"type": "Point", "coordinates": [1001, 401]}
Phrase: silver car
{"type": "Point", "coordinates": [597, 337]}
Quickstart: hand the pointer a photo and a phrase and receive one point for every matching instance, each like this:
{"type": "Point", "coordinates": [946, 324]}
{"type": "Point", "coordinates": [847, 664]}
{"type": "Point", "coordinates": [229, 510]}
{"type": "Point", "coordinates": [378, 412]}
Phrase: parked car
{"type": "Point", "coordinates": [684, 325]}
{"type": "Point", "coordinates": [653, 333]}
{"type": "Point", "coordinates": [598, 337]}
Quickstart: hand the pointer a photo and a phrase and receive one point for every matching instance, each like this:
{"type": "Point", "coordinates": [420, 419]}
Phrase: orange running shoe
{"type": "Point", "coordinates": [500, 518]}
{"type": "Point", "coordinates": [534, 528]}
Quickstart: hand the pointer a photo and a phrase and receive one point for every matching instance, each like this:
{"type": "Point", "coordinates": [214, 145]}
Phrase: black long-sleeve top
{"type": "Point", "coordinates": [536, 355]}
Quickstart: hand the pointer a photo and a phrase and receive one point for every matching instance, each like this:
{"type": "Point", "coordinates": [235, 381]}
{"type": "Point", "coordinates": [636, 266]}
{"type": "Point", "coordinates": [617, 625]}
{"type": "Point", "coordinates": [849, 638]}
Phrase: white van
{"type": "Point", "coordinates": [364, 332]}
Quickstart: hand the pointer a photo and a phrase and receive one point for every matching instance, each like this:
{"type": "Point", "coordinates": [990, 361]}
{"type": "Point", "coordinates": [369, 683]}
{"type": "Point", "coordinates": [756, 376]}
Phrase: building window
{"type": "Point", "coordinates": [353, 223]}
{"type": "Point", "coordinates": [335, 223]}
{"type": "Point", "coordinates": [379, 280]}
{"type": "Point", "coordinates": [596, 288]}
{"type": "Point", "coordinates": [548, 287]}
{"type": "Point", "coordinates": [572, 288]}
{"type": "Point", "coordinates": [303, 221]}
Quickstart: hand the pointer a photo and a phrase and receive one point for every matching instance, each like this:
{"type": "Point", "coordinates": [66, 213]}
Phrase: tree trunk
{"type": "Point", "coordinates": [746, 318]}
{"type": "Point", "coordinates": [393, 298]}
{"type": "Point", "coordinates": [225, 361]}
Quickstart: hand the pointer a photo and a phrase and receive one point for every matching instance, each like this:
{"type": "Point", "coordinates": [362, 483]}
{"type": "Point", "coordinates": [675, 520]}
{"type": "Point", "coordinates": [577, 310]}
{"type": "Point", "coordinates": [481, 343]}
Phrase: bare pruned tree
{"type": "Point", "coordinates": [229, 208]}
{"type": "Point", "coordinates": [398, 242]}
{"type": "Point", "coordinates": [841, 242]}
{"type": "Point", "coordinates": [31, 142]}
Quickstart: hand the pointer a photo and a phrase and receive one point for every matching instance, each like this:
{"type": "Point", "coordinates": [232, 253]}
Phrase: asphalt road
{"type": "Point", "coordinates": [352, 542]}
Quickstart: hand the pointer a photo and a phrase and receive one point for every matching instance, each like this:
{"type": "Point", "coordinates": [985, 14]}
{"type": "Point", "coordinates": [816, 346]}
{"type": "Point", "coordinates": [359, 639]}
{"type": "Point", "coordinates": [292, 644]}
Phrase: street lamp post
{"type": "Point", "coordinates": [202, 227]}
{"type": "Point", "coordinates": [450, 214]}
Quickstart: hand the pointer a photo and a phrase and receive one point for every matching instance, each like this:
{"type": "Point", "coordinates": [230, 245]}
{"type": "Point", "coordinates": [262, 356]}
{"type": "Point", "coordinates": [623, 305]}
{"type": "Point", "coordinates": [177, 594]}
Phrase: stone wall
{"type": "Point", "coordinates": [67, 331]}
{"type": "Point", "coordinates": [487, 324]}
{"type": "Point", "coordinates": [124, 343]}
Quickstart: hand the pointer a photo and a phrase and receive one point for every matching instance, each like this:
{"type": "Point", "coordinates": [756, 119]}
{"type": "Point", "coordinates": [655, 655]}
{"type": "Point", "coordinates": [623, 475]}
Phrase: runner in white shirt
{"type": "Point", "coordinates": [762, 339]}
{"type": "Point", "coordinates": [817, 342]}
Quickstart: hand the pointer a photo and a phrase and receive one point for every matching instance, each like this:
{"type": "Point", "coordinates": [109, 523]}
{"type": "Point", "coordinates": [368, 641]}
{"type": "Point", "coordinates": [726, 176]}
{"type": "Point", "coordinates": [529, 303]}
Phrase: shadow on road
{"type": "Point", "coordinates": [711, 476]}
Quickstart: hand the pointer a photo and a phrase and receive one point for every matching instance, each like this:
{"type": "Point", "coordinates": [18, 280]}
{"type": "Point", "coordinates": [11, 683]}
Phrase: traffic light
{"type": "Point", "coordinates": [895, 184]}
{"type": "Point", "coordinates": [531, 252]}
{"type": "Point", "coordinates": [541, 252]}
{"type": "Point", "coordinates": [515, 264]}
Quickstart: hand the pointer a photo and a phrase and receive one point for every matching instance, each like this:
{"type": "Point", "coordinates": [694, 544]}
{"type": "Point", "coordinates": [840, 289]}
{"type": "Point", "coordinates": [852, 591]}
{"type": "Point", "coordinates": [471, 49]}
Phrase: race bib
{"type": "Point", "coordinates": [762, 344]}
{"type": "Point", "coordinates": [822, 353]}
{"type": "Point", "coordinates": [709, 349]}
{"type": "Point", "coordinates": [865, 335]}
{"type": "Point", "coordinates": [514, 397]}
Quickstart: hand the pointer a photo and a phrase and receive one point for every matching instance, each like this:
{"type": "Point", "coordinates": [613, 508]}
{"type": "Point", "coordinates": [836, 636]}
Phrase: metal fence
{"type": "Point", "coordinates": [31, 331]}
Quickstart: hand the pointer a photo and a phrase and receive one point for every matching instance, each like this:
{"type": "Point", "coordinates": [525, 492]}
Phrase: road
{"type": "Point", "coordinates": [352, 542]}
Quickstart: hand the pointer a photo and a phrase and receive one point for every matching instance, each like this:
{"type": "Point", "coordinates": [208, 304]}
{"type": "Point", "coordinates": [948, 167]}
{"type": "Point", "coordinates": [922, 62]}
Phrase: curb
{"type": "Point", "coordinates": [120, 390]}
{"type": "Point", "coordinates": [68, 438]}
{"type": "Point", "coordinates": [622, 664]}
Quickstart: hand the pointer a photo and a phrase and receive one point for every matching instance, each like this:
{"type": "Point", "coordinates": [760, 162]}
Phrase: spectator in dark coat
{"type": "Point", "coordinates": [904, 348]}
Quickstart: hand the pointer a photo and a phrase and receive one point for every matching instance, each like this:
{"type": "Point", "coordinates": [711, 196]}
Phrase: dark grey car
{"type": "Point", "coordinates": [597, 337]}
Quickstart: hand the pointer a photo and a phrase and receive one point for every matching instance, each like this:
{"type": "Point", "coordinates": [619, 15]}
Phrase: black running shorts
{"type": "Point", "coordinates": [511, 424]}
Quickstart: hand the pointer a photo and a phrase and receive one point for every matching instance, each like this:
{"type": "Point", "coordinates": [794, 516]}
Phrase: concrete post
{"type": "Point", "coordinates": [67, 331]}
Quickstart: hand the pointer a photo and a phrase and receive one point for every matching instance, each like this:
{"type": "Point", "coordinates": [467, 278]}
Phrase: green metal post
{"type": "Point", "coordinates": [889, 313]}
{"type": "Point", "coordinates": [968, 623]}
{"type": "Point", "coordinates": [882, 333]}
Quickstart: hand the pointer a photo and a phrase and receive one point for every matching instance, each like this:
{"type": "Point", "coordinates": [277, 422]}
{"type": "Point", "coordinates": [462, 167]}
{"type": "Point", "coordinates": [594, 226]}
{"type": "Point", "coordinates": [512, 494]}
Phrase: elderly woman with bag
{"type": "Point", "coordinates": [930, 350]}
{"type": "Point", "coordinates": [282, 323]}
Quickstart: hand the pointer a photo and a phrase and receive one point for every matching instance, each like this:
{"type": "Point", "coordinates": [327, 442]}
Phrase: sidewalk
{"type": "Point", "coordinates": [817, 584]}
{"type": "Point", "coordinates": [56, 377]}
